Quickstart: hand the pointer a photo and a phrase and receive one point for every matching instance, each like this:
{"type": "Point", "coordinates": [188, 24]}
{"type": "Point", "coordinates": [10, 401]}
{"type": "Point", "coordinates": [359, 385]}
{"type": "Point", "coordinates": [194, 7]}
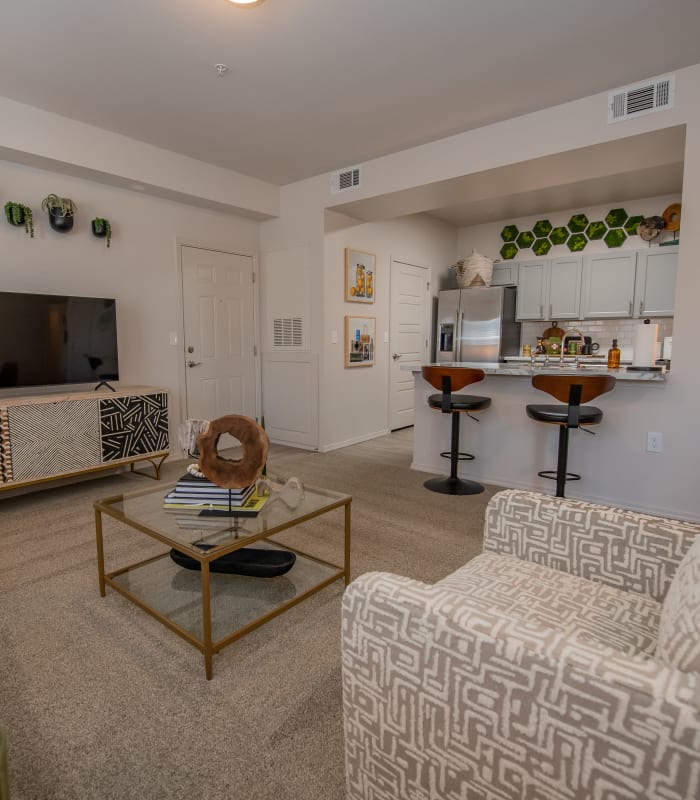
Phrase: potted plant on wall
{"type": "Point", "coordinates": [60, 211]}
{"type": "Point", "coordinates": [18, 214]}
{"type": "Point", "coordinates": [102, 228]}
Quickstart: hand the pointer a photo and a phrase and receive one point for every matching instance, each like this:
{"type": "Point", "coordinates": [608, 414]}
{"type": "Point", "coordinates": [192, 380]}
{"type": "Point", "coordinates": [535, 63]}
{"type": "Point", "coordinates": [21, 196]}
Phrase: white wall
{"type": "Point", "coordinates": [581, 123]}
{"type": "Point", "coordinates": [355, 402]}
{"type": "Point", "coordinates": [139, 269]}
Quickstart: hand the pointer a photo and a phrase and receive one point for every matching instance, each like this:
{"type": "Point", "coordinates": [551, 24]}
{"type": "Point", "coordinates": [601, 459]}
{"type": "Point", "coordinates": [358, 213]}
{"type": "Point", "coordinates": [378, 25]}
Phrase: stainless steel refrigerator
{"type": "Point", "coordinates": [477, 324]}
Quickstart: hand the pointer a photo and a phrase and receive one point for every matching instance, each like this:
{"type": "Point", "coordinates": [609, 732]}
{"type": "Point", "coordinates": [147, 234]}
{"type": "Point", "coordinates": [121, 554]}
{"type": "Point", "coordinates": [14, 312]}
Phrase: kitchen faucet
{"type": "Point", "coordinates": [576, 332]}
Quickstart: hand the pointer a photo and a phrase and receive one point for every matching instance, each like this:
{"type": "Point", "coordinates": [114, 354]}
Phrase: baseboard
{"type": "Point", "coordinates": [357, 440]}
{"type": "Point", "coordinates": [298, 445]}
{"type": "Point", "coordinates": [530, 486]}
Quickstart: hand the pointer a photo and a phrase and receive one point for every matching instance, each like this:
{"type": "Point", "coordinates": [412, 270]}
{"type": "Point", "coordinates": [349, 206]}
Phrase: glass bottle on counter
{"type": "Point", "coordinates": [614, 356]}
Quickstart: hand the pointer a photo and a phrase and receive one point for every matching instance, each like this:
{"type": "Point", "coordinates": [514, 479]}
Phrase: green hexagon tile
{"type": "Point", "coordinates": [596, 230]}
{"type": "Point", "coordinates": [541, 247]}
{"type": "Point", "coordinates": [509, 233]}
{"type": "Point", "coordinates": [542, 228]}
{"type": "Point", "coordinates": [525, 240]}
{"type": "Point", "coordinates": [577, 242]}
{"type": "Point", "coordinates": [559, 235]}
{"type": "Point", "coordinates": [578, 223]}
{"type": "Point", "coordinates": [615, 237]}
{"type": "Point", "coordinates": [509, 251]}
{"type": "Point", "coordinates": [616, 218]}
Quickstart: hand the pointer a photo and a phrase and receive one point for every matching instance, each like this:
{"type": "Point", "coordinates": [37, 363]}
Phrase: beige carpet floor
{"type": "Point", "coordinates": [100, 701]}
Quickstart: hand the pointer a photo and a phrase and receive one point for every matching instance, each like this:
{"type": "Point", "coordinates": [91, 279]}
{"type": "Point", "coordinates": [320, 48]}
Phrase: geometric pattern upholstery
{"type": "Point", "coordinates": [533, 594]}
{"type": "Point", "coordinates": [465, 690]}
{"type": "Point", "coordinates": [133, 425]}
{"type": "Point", "coordinates": [679, 632]}
{"type": "Point", "coordinates": [632, 551]}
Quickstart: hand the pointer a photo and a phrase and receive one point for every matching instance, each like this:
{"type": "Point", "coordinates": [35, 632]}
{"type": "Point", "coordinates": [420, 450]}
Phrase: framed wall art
{"type": "Point", "coordinates": [360, 335]}
{"type": "Point", "coordinates": [359, 276]}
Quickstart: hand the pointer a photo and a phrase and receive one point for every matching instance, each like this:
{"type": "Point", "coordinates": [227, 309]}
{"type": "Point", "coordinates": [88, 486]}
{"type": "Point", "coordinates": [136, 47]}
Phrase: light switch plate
{"type": "Point", "coordinates": [334, 337]}
{"type": "Point", "coordinates": [386, 337]}
{"type": "Point", "coordinates": [655, 442]}
{"type": "Point", "coordinates": [173, 338]}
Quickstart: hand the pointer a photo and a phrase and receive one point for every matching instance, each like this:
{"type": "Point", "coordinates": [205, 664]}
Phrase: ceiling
{"type": "Point", "coordinates": [316, 85]}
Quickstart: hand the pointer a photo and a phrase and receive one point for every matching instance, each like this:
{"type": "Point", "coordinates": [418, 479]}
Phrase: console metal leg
{"type": "Point", "coordinates": [561, 459]}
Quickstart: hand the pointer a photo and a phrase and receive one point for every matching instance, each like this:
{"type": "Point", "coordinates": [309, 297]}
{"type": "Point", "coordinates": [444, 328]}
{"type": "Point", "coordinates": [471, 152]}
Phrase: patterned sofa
{"type": "Point", "coordinates": [563, 662]}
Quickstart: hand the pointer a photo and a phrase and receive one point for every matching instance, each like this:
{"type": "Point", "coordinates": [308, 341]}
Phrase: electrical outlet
{"type": "Point", "coordinates": [655, 442]}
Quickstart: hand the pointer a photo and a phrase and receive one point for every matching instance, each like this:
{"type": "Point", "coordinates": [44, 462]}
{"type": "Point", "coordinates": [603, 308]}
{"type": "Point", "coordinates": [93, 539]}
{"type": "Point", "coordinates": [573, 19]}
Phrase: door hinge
{"type": "Point", "coordinates": [253, 277]}
{"type": "Point", "coordinates": [255, 350]}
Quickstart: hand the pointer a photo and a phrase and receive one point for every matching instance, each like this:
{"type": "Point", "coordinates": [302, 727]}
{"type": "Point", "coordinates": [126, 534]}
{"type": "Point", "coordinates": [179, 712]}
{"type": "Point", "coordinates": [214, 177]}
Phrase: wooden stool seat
{"type": "Point", "coordinates": [448, 380]}
{"type": "Point", "coordinates": [572, 390]}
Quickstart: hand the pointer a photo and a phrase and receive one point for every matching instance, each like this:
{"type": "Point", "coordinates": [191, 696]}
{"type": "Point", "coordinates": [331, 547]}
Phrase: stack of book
{"type": "Point", "coordinates": [201, 495]}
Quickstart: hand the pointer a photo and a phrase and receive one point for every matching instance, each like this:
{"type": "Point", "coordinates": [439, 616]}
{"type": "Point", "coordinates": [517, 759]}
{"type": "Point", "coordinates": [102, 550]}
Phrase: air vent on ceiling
{"type": "Point", "coordinates": [641, 98]}
{"type": "Point", "coordinates": [287, 332]}
{"type": "Point", "coordinates": [345, 179]}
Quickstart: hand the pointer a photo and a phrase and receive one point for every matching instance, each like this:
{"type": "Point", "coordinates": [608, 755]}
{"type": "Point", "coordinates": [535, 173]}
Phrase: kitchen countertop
{"type": "Point", "coordinates": [525, 370]}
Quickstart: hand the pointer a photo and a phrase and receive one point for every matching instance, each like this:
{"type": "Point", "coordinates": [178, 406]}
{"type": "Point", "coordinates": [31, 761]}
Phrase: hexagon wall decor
{"type": "Point", "coordinates": [596, 230]}
{"type": "Point", "coordinates": [525, 240]}
{"type": "Point", "coordinates": [615, 237]}
{"type": "Point", "coordinates": [578, 223]}
{"type": "Point", "coordinates": [509, 233]}
{"type": "Point", "coordinates": [509, 251]}
{"type": "Point", "coordinates": [541, 247]}
{"type": "Point", "coordinates": [577, 242]}
{"type": "Point", "coordinates": [616, 217]}
{"type": "Point", "coordinates": [632, 224]}
{"type": "Point", "coordinates": [559, 235]}
{"type": "Point", "coordinates": [542, 228]}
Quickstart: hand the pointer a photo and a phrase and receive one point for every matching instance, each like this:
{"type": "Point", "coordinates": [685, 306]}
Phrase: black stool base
{"type": "Point", "coordinates": [552, 475]}
{"type": "Point", "coordinates": [451, 485]}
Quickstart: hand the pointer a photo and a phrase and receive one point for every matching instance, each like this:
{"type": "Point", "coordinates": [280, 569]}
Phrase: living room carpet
{"type": "Point", "coordinates": [100, 701]}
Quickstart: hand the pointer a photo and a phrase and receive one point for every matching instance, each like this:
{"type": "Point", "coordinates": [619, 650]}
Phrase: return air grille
{"type": "Point", "coordinates": [287, 332]}
{"type": "Point", "coordinates": [641, 98]}
{"type": "Point", "coordinates": [345, 179]}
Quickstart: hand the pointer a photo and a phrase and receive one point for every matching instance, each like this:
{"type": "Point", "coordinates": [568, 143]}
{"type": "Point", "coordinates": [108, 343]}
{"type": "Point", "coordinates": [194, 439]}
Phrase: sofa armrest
{"type": "Point", "coordinates": [631, 551]}
{"type": "Point", "coordinates": [442, 701]}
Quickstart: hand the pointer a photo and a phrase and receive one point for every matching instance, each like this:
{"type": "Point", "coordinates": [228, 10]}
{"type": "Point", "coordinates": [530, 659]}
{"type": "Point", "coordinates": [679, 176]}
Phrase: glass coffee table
{"type": "Point", "coordinates": [208, 609]}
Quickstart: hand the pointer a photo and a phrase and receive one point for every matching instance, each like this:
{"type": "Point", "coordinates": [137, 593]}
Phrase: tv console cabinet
{"type": "Point", "coordinates": [44, 437]}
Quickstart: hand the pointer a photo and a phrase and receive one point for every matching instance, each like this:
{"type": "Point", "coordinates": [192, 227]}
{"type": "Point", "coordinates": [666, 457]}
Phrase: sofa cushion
{"type": "Point", "coordinates": [679, 627]}
{"type": "Point", "coordinates": [580, 608]}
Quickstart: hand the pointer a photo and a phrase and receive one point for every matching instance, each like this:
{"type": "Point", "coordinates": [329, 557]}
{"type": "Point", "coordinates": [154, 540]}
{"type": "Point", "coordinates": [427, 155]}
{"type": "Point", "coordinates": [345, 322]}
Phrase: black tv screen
{"type": "Point", "coordinates": [48, 340]}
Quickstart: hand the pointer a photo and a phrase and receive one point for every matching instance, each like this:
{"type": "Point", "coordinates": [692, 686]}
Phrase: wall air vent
{"type": "Point", "coordinates": [345, 179]}
{"type": "Point", "coordinates": [287, 332]}
{"type": "Point", "coordinates": [641, 98]}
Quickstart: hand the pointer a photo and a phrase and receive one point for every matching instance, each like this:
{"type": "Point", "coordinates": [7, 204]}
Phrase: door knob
{"type": "Point", "coordinates": [396, 356]}
{"type": "Point", "coordinates": [193, 363]}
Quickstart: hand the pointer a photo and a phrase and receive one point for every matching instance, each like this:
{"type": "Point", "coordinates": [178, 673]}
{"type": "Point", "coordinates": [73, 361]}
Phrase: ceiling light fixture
{"type": "Point", "coordinates": [246, 2]}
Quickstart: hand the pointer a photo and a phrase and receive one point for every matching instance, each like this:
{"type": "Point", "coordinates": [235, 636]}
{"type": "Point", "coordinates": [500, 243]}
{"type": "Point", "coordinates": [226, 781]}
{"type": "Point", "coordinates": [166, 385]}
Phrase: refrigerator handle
{"type": "Point", "coordinates": [458, 336]}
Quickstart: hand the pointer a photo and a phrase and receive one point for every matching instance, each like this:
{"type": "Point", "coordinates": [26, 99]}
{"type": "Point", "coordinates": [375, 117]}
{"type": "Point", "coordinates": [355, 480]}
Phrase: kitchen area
{"type": "Point", "coordinates": [573, 313]}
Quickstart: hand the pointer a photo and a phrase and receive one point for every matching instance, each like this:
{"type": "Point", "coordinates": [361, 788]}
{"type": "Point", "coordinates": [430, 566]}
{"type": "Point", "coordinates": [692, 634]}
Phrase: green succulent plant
{"type": "Point", "coordinates": [100, 226]}
{"type": "Point", "coordinates": [18, 214]}
{"type": "Point", "coordinates": [65, 204]}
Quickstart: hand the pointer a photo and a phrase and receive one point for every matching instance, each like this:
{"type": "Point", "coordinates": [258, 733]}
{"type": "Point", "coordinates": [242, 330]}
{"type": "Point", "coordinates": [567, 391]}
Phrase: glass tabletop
{"type": "Point", "coordinates": [283, 508]}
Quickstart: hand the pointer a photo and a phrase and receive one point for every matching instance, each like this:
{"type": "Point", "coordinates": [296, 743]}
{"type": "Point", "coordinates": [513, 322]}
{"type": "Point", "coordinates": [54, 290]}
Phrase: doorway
{"type": "Point", "coordinates": [218, 301]}
{"type": "Point", "coordinates": [410, 292]}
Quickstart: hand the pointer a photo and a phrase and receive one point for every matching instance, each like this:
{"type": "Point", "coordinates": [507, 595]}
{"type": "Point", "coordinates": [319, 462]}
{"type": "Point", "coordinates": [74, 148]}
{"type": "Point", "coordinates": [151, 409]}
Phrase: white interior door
{"type": "Point", "coordinates": [410, 292]}
{"type": "Point", "coordinates": [219, 330]}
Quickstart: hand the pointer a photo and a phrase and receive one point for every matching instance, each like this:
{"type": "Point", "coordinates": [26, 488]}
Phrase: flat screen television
{"type": "Point", "coordinates": [50, 340]}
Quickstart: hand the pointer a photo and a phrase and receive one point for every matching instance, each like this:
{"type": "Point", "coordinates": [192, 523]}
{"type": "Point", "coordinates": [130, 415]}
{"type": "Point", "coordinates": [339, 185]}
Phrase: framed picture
{"type": "Point", "coordinates": [359, 276]}
{"type": "Point", "coordinates": [360, 336]}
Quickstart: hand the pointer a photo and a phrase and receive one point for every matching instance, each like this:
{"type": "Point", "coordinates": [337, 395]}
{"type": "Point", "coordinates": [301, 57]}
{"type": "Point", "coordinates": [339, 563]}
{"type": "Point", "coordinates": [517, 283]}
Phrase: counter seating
{"type": "Point", "coordinates": [572, 390]}
{"type": "Point", "coordinates": [449, 380]}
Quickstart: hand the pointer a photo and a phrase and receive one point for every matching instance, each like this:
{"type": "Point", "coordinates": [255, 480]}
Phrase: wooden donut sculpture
{"type": "Point", "coordinates": [233, 473]}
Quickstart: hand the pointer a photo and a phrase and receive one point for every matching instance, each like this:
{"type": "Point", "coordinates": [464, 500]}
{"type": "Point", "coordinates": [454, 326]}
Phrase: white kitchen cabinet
{"type": "Point", "coordinates": [607, 288]}
{"type": "Point", "coordinates": [532, 289]}
{"type": "Point", "coordinates": [505, 274]}
{"type": "Point", "coordinates": [655, 288]}
{"type": "Point", "coordinates": [550, 289]}
{"type": "Point", "coordinates": [564, 288]}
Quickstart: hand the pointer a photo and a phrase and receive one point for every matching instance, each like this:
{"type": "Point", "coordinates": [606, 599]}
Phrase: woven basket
{"type": "Point", "coordinates": [474, 271]}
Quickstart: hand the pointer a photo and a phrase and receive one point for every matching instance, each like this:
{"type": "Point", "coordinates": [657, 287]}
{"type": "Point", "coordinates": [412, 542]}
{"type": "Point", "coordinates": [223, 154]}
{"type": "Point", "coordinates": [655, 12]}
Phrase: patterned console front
{"type": "Point", "coordinates": [54, 436]}
{"type": "Point", "coordinates": [133, 426]}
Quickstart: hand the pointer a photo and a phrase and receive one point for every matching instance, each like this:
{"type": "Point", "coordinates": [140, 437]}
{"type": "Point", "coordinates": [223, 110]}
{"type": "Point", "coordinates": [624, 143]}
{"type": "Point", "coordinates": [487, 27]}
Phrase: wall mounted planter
{"type": "Point", "coordinates": [18, 214]}
{"type": "Point", "coordinates": [61, 211]}
{"type": "Point", "coordinates": [101, 228]}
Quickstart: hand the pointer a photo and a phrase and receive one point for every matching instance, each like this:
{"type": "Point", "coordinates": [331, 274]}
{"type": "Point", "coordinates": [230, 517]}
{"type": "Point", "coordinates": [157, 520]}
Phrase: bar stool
{"type": "Point", "coordinates": [447, 380]}
{"type": "Point", "coordinates": [573, 390]}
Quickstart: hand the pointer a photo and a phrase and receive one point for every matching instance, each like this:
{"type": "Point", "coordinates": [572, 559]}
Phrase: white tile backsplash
{"type": "Point", "coordinates": [603, 331]}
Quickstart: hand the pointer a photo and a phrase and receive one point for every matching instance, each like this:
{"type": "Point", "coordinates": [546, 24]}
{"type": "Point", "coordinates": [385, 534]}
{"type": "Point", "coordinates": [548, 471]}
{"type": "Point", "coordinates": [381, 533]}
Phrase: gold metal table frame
{"type": "Point", "coordinates": [143, 511]}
